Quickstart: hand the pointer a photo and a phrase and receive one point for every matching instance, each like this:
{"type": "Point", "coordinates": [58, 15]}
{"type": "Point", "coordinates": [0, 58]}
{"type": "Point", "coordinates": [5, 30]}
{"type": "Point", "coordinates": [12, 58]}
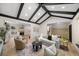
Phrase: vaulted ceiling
{"type": "Point", "coordinates": [38, 12]}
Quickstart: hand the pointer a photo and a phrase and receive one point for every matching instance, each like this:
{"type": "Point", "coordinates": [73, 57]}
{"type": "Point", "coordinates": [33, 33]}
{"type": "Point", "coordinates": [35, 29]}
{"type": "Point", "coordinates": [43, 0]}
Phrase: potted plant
{"type": "Point", "coordinates": [2, 34]}
{"type": "Point", "coordinates": [3, 31]}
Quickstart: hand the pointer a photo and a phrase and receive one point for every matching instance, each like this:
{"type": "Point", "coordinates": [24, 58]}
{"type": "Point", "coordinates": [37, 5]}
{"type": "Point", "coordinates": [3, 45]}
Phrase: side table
{"type": "Point", "coordinates": [37, 45]}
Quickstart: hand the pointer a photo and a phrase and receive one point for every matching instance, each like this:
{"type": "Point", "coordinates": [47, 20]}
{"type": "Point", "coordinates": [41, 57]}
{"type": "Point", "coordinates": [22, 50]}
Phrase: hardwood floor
{"type": "Point", "coordinates": [9, 50]}
{"type": "Point", "coordinates": [71, 51]}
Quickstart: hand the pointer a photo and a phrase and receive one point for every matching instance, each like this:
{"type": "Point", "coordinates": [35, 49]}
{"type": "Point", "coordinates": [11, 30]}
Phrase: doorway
{"type": "Point", "coordinates": [70, 33]}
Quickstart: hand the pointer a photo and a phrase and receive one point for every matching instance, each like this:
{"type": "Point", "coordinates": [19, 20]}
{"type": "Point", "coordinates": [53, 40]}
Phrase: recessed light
{"type": "Point", "coordinates": [38, 13]}
{"type": "Point", "coordinates": [29, 8]}
{"type": "Point", "coordinates": [25, 14]}
{"type": "Point", "coordinates": [34, 18]}
{"type": "Point", "coordinates": [62, 7]}
{"type": "Point", "coordinates": [53, 7]}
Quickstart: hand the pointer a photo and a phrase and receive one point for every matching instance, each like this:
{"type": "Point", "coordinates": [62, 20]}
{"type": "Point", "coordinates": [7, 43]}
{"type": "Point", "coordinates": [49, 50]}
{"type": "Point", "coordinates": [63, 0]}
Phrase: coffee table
{"type": "Point", "coordinates": [37, 45]}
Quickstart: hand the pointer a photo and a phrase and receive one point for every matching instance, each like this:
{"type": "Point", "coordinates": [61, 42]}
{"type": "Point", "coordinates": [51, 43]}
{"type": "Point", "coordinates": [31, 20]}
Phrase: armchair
{"type": "Point", "coordinates": [19, 44]}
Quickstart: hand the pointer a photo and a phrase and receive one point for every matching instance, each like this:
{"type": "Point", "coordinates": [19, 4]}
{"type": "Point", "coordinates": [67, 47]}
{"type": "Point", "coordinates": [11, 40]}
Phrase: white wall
{"type": "Point", "coordinates": [43, 26]}
{"type": "Point", "coordinates": [75, 29]}
{"type": "Point", "coordinates": [15, 22]}
{"type": "Point", "coordinates": [1, 23]}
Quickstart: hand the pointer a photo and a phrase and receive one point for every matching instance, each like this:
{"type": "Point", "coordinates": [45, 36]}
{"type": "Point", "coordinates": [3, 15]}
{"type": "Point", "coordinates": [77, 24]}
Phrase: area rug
{"type": "Point", "coordinates": [28, 51]}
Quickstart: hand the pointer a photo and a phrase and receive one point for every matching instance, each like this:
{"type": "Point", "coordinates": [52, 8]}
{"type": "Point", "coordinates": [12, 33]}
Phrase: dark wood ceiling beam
{"type": "Point", "coordinates": [46, 10]}
{"type": "Point", "coordinates": [45, 19]}
{"type": "Point", "coordinates": [41, 17]}
{"type": "Point", "coordinates": [3, 15]}
{"type": "Point", "coordinates": [61, 17]}
{"type": "Point", "coordinates": [56, 3]}
{"type": "Point", "coordinates": [63, 12]}
{"type": "Point", "coordinates": [20, 9]}
{"type": "Point", "coordinates": [76, 13]}
{"type": "Point", "coordinates": [35, 12]}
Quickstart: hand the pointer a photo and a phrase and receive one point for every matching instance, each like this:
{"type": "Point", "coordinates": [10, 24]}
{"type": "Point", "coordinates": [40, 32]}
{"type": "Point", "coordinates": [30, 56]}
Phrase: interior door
{"type": "Point", "coordinates": [70, 33]}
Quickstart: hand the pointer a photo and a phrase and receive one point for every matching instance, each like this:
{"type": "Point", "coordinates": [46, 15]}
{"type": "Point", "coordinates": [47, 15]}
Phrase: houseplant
{"type": "Point", "coordinates": [2, 34]}
{"type": "Point", "coordinates": [3, 31]}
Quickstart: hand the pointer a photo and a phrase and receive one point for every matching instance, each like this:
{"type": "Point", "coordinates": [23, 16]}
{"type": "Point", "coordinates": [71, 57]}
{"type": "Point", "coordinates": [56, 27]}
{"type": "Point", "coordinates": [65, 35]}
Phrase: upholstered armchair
{"type": "Point", "coordinates": [19, 44]}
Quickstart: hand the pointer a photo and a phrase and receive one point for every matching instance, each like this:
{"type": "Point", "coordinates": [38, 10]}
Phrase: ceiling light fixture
{"type": "Point", "coordinates": [25, 14]}
{"type": "Point", "coordinates": [38, 13]}
{"type": "Point", "coordinates": [53, 7]}
{"type": "Point", "coordinates": [34, 18]}
{"type": "Point", "coordinates": [62, 7]}
{"type": "Point", "coordinates": [29, 8]}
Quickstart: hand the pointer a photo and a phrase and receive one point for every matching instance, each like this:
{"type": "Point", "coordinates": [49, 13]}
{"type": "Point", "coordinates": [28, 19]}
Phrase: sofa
{"type": "Point", "coordinates": [49, 46]}
{"type": "Point", "coordinates": [47, 42]}
{"type": "Point", "coordinates": [50, 51]}
{"type": "Point", "coordinates": [54, 40]}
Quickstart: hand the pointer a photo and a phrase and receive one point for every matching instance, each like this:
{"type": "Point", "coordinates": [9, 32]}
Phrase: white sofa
{"type": "Point", "coordinates": [50, 47]}
{"type": "Point", "coordinates": [50, 51]}
{"type": "Point", "coordinates": [47, 42]}
{"type": "Point", "coordinates": [54, 40]}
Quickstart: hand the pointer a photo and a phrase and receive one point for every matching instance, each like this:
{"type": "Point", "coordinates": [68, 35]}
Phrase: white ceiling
{"type": "Point", "coordinates": [38, 14]}
{"type": "Point", "coordinates": [58, 20]}
{"type": "Point", "coordinates": [43, 18]}
{"type": "Point", "coordinates": [9, 8]}
{"type": "Point", "coordinates": [28, 10]}
{"type": "Point", "coordinates": [65, 15]}
{"type": "Point", "coordinates": [60, 25]}
{"type": "Point", "coordinates": [63, 7]}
